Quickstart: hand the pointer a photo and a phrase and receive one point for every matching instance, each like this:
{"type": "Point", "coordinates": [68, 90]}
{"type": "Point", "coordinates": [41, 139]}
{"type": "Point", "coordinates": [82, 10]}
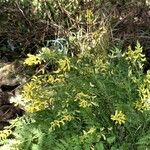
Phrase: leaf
{"type": "Point", "coordinates": [64, 143]}
{"type": "Point", "coordinates": [99, 146]}
{"type": "Point", "coordinates": [35, 147]}
{"type": "Point", "coordinates": [111, 139]}
{"type": "Point", "coordinates": [86, 146]}
{"type": "Point", "coordinates": [77, 148]}
{"type": "Point", "coordinates": [113, 148]}
{"type": "Point", "coordinates": [60, 146]}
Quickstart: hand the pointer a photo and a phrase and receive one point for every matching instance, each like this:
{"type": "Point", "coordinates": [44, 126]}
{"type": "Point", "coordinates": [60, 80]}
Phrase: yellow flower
{"type": "Point", "coordinates": [119, 117]}
{"type": "Point", "coordinates": [35, 106]}
{"type": "Point", "coordinates": [50, 79]}
{"type": "Point", "coordinates": [32, 59]}
{"type": "Point", "coordinates": [5, 133]}
{"type": "Point", "coordinates": [85, 100]}
{"type": "Point", "coordinates": [83, 103]}
{"type": "Point", "coordinates": [64, 65]}
{"type": "Point", "coordinates": [89, 16]}
{"type": "Point", "coordinates": [142, 105]}
{"type": "Point", "coordinates": [136, 55]}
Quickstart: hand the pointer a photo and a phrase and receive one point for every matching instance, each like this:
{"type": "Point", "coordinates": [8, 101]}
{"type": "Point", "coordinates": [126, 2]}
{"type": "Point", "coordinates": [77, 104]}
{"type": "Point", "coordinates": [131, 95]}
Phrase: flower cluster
{"type": "Point", "coordinates": [135, 56]}
{"type": "Point", "coordinates": [63, 65]}
{"type": "Point", "coordinates": [118, 117]}
{"type": "Point", "coordinates": [32, 60]}
{"type": "Point", "coordinates": [142, 105]}
{"type": "Point", "coordinates": [144, 94]}
{"type": "Point", "coordinates": [85, 100]}
{"type": "Point", "coordinates": [5, 133]}
{"type": "Point", "coordinates": [64, 117]}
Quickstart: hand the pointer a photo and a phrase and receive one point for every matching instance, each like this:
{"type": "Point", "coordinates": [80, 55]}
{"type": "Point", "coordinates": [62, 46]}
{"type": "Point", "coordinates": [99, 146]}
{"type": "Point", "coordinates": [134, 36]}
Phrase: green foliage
{"type": "Point", "coordinates": [81, 105]}
{"type": "Point", "coordinates": [143, 142]}
{"type": "Point", "coordinates": [80, 98]}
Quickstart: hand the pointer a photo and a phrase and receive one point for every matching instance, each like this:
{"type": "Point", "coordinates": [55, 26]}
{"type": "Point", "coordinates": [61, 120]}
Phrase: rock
{"type": "Point", "coordinates": [9, 88]}
{"type": "Point", "coordinates": [10, 73]}
{"type": "Point", "coordinates": [10, 79]}
{"type": "Point", "coordinates": [4, 98]}
{"type": "Point", "coordinates": [3, 124]}
{"type": "Point", "coordinates": [8, 112]}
